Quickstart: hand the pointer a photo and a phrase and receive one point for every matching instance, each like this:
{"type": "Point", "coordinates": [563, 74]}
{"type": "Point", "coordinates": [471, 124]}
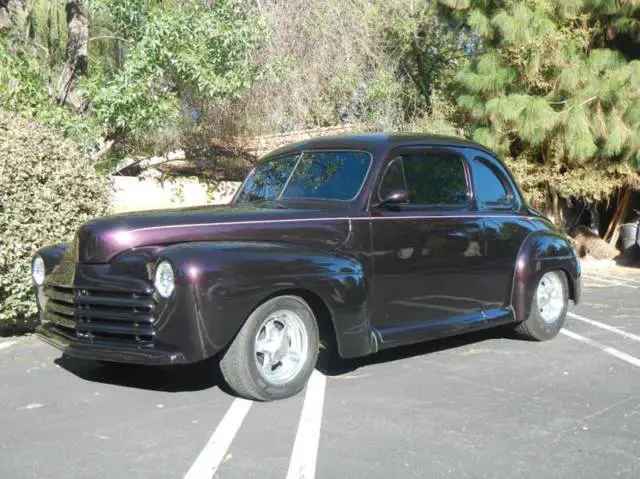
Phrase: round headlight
{"type": "Point", "coordinates": [38, 270]}
{"type": "Point", "coordinates": [164, 279]}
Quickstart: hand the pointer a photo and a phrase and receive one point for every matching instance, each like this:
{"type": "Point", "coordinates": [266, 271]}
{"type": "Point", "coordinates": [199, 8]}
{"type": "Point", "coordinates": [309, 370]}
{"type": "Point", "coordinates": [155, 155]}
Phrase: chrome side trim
{"type": "Point", "coordinates": [329, 218]}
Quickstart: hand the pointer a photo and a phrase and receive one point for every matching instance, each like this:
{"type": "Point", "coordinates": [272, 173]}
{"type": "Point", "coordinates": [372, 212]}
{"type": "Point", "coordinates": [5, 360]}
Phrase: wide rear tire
{"type": "Point", "coordinates": [275, 351]}
{"type": "Point", "coordinates": [548, 308]}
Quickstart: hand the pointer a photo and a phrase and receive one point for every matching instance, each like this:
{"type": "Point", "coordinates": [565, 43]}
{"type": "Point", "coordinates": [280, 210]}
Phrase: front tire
{"type": "Point", "coordinates": [548, 308]}
{"type": "Point", "coordinates": [275, 351]}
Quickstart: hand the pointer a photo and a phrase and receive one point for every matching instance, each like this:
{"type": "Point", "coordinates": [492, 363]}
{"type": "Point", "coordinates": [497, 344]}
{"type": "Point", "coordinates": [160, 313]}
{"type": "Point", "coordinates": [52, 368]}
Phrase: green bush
{"type": "Point", "coordinates": [47, 188]}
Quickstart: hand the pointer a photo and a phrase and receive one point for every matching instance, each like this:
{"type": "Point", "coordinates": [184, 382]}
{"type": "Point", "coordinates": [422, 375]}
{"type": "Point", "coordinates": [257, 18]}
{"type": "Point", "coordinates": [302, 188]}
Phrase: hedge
{"type": "Point", "coordinates": [47, 189]}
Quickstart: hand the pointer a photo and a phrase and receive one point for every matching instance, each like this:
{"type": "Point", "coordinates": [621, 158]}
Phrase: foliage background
{"type": "Point", "coordinates": [47, 189]}
{"type": "Point", "coordinates": [555, 88]}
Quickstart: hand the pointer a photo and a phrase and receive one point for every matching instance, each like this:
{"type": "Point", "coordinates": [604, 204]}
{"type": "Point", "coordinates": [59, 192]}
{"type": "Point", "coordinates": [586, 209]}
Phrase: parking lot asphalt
{"type": "Point", "coordinates": [478, 406]}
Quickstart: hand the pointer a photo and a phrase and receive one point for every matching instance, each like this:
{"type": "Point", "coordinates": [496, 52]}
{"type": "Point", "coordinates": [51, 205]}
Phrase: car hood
{"type": "Point", "coordinates": [99, 240]}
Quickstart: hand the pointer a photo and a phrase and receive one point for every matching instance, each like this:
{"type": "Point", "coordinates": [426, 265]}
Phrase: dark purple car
{"type": "Point", "coordinates": [365, 241]}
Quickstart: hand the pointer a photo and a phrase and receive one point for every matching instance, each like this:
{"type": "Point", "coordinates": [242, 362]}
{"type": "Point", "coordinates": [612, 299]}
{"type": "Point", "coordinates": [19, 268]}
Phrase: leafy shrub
{"type": "Point", "coordinates": [47, 188]}
{"type": "Point", "coordinates": [24, 88]}
{"type": "Point", "coordinates": [182, 54]}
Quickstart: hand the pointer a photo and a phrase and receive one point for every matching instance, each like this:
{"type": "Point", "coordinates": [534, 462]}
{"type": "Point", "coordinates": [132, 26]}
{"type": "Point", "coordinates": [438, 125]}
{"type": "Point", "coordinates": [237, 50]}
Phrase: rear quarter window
{"type": "Point", "coordinates": [490, 187]}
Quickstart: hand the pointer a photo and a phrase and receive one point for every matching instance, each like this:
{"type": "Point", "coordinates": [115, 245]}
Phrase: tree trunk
{"type": "Point", "coordinates": [106, 146]}
{"type": "Point", "coordinates": [49, 36]}
{"type": "Point", "coordinates": [13, 15]}
{"type": "Point", "coordinates": [556, 210]}
{"type": "Point", "coordinates": [420, 80]}
{"type": "Point", "coordinates": [77, 59]}
{"type": "Point", "coordinates": [594, 221]}
{"type": "Point", "coordinates": [613, 231]}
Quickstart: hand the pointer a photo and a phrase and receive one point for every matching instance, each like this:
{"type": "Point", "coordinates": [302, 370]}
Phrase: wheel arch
{"type": "Point", "coordinates": [573, 287]}
{"type": "Point", "coordinates": [323, 315]}
{"type": "Point", "coordinates": [541, 252]}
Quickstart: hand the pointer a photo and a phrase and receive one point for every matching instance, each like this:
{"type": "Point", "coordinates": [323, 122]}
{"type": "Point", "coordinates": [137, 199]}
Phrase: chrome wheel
{"type": "Point", "coordinates": [550, 297]}
{"type": "Point", "coordinates": [281, 346]}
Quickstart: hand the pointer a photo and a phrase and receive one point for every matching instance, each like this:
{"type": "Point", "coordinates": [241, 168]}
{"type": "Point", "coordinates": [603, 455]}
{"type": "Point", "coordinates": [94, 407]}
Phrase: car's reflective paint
{"type": "Point", "coordinates": [101, 239]}
{"type": "Point", "coordinates": [382, 276]}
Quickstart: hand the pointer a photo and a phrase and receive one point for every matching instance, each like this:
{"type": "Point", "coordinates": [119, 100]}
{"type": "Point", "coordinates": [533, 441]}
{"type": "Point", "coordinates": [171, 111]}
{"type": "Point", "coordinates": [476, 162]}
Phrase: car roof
{"type": "Point", "coordinates": [376, 142]}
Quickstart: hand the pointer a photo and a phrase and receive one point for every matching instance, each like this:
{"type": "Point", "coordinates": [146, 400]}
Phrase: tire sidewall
{"type": "Point", "coordinates": [255, 322]}
{"type": "Point", "coordinates": [540, 327]}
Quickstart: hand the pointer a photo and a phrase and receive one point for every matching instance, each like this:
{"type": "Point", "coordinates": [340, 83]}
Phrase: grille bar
{"type": "Point", "coordinates": [133, 316]}
{"type": "Point", "coordinates": [114, 328]}
{"type": "Point", "coordinates": [59, 295]}
{"type": "Point", "coordinates": [96, 300]}
{"type": "Point", "coordinates": [100, 314]}
{"type": "Point", "coordinates": [60, 320]}
{"type": "Point", "coordinates": [60, 308]}
{"type": "Point", "coordinates": [66, 332]}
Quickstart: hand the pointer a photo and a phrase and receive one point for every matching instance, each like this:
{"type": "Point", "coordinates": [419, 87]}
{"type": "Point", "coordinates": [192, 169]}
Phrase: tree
{"type": "Point", "coordinates": [427, 50]}
{"type": "Point", "coordinates": [379, 64]}
{"type": "Point", "coordinates": [179, 57]}
{"type": "Point", "coordinates": [170, 59]}
{"type": "Point", "coordinates": [76, 63]}
{"type": "Point", "coordinates": [555, 86]}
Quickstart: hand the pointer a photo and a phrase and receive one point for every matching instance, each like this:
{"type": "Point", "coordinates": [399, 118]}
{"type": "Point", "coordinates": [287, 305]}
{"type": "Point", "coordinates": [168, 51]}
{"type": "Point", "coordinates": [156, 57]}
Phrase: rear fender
{"type": "Point", "coordinates": [541, 252]}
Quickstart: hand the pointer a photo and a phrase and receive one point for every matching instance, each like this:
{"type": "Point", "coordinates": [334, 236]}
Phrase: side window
{"type": "Point", "coordinates": [393, 178]}
{"type": "Point", "coordinates": [489, 188]}
{"type": "Point", "coordinates": [436, 178]}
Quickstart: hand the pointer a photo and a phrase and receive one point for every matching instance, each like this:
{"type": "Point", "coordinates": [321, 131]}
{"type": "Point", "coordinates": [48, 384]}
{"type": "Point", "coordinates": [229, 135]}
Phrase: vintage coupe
{"type": "Point", "coordinates": [364, 241]}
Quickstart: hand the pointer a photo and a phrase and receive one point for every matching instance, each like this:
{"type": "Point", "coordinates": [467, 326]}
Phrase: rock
{"type": "Point", "coordinates": [590, 244]}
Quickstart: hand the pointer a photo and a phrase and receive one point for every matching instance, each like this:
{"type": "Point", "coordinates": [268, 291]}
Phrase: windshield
{"type": "Point", "coordinates": [328, 175]}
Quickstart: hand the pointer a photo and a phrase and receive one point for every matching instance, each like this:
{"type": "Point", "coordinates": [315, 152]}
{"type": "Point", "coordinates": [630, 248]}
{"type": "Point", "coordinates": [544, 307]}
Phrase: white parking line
{"type": "Point", "coordinates": [605, 326]}
{"type": "Point", "coordinates": [6, 344]}
{"type": "Point", "coordinates": [305, 446]}
{"type": "Point", "coordinates": [620, 278]}
{"type": "Point", "coordinates": [595, 285]}
{"type": "Point", "coordinates": [608, 281]}
{"type": "Point", "coordinates": [607, 349]}
{"type": "Point", "coordinates": [213, 453]}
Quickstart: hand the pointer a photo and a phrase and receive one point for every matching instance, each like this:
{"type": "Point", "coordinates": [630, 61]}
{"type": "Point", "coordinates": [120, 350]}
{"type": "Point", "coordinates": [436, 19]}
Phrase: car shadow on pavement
{"type": "Point", "coordinates": [206, 374]}
{"type": "Point", "coordinates": [190, 377]}
{"type": "Point", "coordinates": [330, 364]}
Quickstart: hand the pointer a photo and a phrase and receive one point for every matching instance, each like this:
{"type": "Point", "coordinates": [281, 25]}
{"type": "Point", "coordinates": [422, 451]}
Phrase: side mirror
{"type": "Point", "coordinates": [396, 197]}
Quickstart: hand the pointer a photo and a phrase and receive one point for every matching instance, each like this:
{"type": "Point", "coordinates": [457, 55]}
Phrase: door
{"type": "Point", "coordinates": [428, 254]}
{"type": "Point", "coordinates": [505, 227]}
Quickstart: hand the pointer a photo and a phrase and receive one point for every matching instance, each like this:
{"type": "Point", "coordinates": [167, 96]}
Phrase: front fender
{"type": "Point", "coordinates": [52, 255]}
{"type": "Point", "coordinates": [218, 284]}
{"type": "Point", "coordinates": [541, 252]}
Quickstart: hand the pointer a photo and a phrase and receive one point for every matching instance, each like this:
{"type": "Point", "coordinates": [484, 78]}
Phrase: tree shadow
{"type": "Point", "coordinates": [330, 363]}
{"type": "Point", "coordinates": [179, 378]}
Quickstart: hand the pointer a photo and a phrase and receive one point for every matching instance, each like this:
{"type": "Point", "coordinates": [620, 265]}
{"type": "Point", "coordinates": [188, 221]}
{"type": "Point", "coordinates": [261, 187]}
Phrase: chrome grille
{"type": "Point", "coordinates": [93, 314]}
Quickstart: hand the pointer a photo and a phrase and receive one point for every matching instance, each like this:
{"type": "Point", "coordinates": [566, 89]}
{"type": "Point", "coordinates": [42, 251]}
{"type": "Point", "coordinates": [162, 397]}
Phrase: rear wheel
{"type": "Point", "coordinates": [275, 351]}
{"type": "Point", "coordinates": [548, 308]}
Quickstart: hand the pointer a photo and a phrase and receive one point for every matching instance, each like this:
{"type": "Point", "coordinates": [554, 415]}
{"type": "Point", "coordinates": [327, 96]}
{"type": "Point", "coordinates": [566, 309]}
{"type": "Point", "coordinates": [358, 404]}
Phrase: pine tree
{"type": "Point", "coordinates": [555, 87]}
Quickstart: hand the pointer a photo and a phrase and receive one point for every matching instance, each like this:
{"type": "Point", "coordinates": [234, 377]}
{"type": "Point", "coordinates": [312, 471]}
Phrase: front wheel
{"type": "Point", "coordinates": [275, 351]}
{"type": "Point", "coordinates": [548, 308]}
